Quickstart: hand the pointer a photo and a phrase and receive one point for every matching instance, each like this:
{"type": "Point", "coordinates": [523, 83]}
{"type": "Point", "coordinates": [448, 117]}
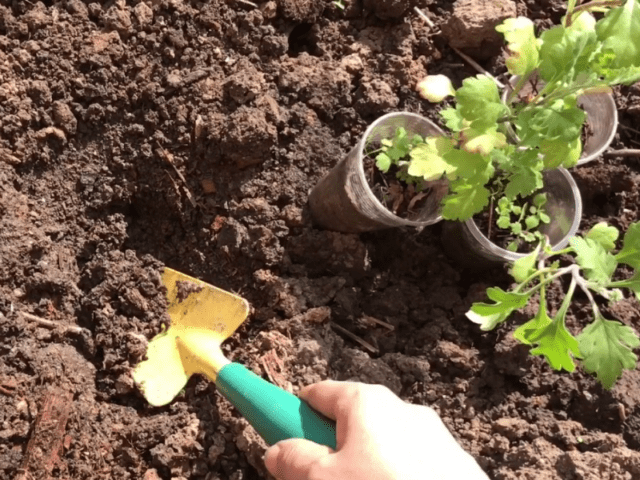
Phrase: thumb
{"type": "Point", "coordinates": [292, 459]}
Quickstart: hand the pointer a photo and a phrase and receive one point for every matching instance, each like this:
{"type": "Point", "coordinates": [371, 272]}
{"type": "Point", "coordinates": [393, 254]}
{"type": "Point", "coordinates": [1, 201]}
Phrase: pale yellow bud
{"type": "Point", "coordinates": [435, 88]}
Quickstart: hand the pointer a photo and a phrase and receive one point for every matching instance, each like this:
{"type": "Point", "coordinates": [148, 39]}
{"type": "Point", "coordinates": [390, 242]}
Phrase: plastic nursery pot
{"type": "Point", "coordinates": [601, 122]}
{"type": "Point", "coordinates": [467, 244]}
{"type": "Point", "coordinates": [343, 201]}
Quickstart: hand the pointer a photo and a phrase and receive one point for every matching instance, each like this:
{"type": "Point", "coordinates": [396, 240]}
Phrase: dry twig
{"type": "Point", "coordinates": [354, 337]}
{"type": "Point", "coordinates": [52, 325]}
{"type": "Point", "coordinates": [464, 56]}
{"type": "Point", "coordinates": [627, 152]}
{"type": "Point", "coordinates": [169, 159]}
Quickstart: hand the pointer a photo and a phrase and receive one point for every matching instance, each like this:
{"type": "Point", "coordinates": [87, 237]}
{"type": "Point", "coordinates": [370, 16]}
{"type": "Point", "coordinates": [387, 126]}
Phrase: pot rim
{"type": "Point", "coordinates": [611, 103]}
{"type": "Point", "coordinates": [360, 168]}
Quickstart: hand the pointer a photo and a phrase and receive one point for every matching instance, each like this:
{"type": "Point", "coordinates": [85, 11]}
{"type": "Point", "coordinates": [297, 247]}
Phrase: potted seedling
{"type": "Point", "coordinates": [504, 151]}
{"type": "Point", "coordinates": [358, 196]}
{"type": "Point", "coordinates": [604, 347]}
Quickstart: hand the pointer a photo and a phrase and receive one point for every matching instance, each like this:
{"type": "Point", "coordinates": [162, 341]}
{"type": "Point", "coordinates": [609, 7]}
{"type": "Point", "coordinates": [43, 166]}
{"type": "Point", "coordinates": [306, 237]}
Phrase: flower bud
{"type": "Point", "coordinates": [435, 88]}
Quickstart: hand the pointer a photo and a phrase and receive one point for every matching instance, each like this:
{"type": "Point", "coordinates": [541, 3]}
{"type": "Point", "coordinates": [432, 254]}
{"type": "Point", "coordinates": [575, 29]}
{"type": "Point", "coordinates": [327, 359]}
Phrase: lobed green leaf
{"type": "Point", "coordinates": [606, 346]}
{"type": "Point", "coordinates": [630, 252]}
{"type": "Point", "coordinates": [603, 234]}
{"type": "Point", "coordinates": [619, 31]}
{"type": "Point", "coordinates": [466, 198]}
{"type": "Point", "coordinates": [522, 44]}
{"type": "Point", "coordinates": [489, 315]}
{"type": "Point", "coordinates": [597, 263]}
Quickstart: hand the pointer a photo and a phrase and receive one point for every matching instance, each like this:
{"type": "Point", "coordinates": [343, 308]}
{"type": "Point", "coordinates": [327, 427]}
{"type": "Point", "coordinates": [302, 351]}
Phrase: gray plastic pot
{"type": "Point", "coordinates": [343, 201]}
{"type": "Point", "coordinates": [464, 241]}
{"type": "Point", "coordinates": [602, 120]}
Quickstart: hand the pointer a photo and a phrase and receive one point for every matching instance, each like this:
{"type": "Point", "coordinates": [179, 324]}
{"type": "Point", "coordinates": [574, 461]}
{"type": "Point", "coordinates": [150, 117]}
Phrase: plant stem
{"type": "Point", "coordinates": [490, 218]}
{"type": "Point", "coordinates": [591, 5]}
{"type": "Point", "coordinates": [582, 283]}
{"type": "Point", "coordinates": [521, 83]}
{"type": "Point", "coordinates": [562, 311]}
{"type": "Point", "coordinates": [547, 280]}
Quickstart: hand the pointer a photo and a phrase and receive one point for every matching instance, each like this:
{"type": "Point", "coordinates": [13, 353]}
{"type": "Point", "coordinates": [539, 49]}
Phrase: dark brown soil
{"type": "Point", "coordinates": [403, 200]}
{"type": "Point", "coordinates": [187, 134]}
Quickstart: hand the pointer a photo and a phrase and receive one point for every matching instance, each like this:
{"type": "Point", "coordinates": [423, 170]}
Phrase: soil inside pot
{"type": "Point", "coordinates": [501, 237]}
{"type": "Point", "coordinates": [405, 201]}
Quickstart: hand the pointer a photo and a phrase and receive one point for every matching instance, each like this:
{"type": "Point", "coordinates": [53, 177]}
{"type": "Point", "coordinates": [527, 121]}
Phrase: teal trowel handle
{"type": "Point", "coordinates": [274, 413]}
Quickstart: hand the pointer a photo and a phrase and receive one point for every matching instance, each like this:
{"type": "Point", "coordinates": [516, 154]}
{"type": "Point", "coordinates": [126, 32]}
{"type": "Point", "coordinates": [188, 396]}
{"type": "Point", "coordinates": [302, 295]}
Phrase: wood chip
{"type": "Point", "coordinates": [274, 368]}
{"type": "Point", "coordinates": [42, 452]}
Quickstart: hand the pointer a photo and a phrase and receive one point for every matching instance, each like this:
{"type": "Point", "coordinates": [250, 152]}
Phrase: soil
{"type": "Point", "coordinates": [404, 201]}
{"type": "Point", "coordinates": [187, 134]}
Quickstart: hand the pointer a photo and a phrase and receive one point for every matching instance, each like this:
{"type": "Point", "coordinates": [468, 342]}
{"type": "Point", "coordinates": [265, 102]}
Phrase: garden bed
{"type": "Point", "coordinates": [188, 134]}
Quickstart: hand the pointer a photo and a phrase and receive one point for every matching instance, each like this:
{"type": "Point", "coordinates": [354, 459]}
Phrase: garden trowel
{"type": "Point", "coordinates": [202, 317]}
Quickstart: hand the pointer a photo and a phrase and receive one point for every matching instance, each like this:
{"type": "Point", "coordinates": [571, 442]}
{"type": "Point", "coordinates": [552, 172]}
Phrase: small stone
{"type": "Point", "coordinates": [22, 407]}
{"type": "Point", "coordinates": [63, 117]}
{"type": "Point", "coordinates": [208, 186]}
{"type": "Point", "coordinates": [217, 449]}
{"type": "Point", "coordinates": [118, 19]}
{"type": "Point", "coordinates": [143, 14]}
{"type": "Point", "coordinates": [472, 25]}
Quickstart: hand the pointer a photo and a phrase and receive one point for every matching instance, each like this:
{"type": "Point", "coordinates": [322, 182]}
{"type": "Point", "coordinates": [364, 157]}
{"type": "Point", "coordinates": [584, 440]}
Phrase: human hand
{"type": "Point", "coordinates": [379, 437]}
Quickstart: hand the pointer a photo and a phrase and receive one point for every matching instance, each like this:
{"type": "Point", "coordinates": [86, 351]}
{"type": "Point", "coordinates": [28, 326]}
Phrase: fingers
{"type": "Point", "coordinates": [293, 459]}
{"type": "Point", "coordinates": [325, 396]}
{"type": "Point", "coordinates": [337, 400]}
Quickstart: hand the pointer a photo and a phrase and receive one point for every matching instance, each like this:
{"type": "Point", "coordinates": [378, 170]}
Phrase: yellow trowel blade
{"type": "Point", "coordinates": [202, 317]}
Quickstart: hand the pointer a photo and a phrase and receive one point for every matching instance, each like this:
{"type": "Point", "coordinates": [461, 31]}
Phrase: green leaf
{"type": "Point", "coordinates": [632, 284]}
{"type": "Point", "coordinates": [582, 21]}
{"type": "Point", "coordinates": [531, 222]}
{"type": "Point", "coordinates": [428, 160]}
{"type": "Point", "coordinates": [524, 174]}
{"type": "Point", "coordinates": [560, 120]}
{"type": "Point", "coordinates": [489, 315]}
{"type": "Point", "coordinates": [465, 200]}
{"type": "Point", "coordinates": [516, 228]}
{"type": "Point", "coordinates": [565, 53]}
{"type": "Point", "coordinates": [452, 119]}
{"type": "Point", "coordinates": [524, 267]}
{"type": "Point", "coordinates": [522, 44]}
{"type": "Point", "coordinates": [555, 342]}
{"type": "Point", "coordinates": [560, 153]}
{"type": "Point", "coordinates": [479, 102]}
{"type": "Point", "coordinates": [513, 246]}
{"type": "Point", "coordinates": [606, 346]}
{"type": "Point", "coordinates": [503, 222]}
{"type": "Point", "coordinates": [470, 165]}
{"type": "Point", "coordinates": [482, 140]}
{"type": "Point", "coordinates": [400, 145]}
{"type": "Point", "coordinates": [544, 218]}
{"type": "Point", "coordinates": [383, 162]}
{"type": "Point", "coordinates": [630, 252]}
{"type": "Point", "coordinates": [504, 204]}
{"type": "Point", "coordinates": [597, 263]}
{"type": "Point", "coordinates": [604, 235]}
{"type": "Point", "coordinates": [557, 345]}
{"type": "Point", "coordinates": [527, 332]}
{"type": "Point", "coordinates": [619, 31]}
{"type": "Point", "coordinates": [540, 199]}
